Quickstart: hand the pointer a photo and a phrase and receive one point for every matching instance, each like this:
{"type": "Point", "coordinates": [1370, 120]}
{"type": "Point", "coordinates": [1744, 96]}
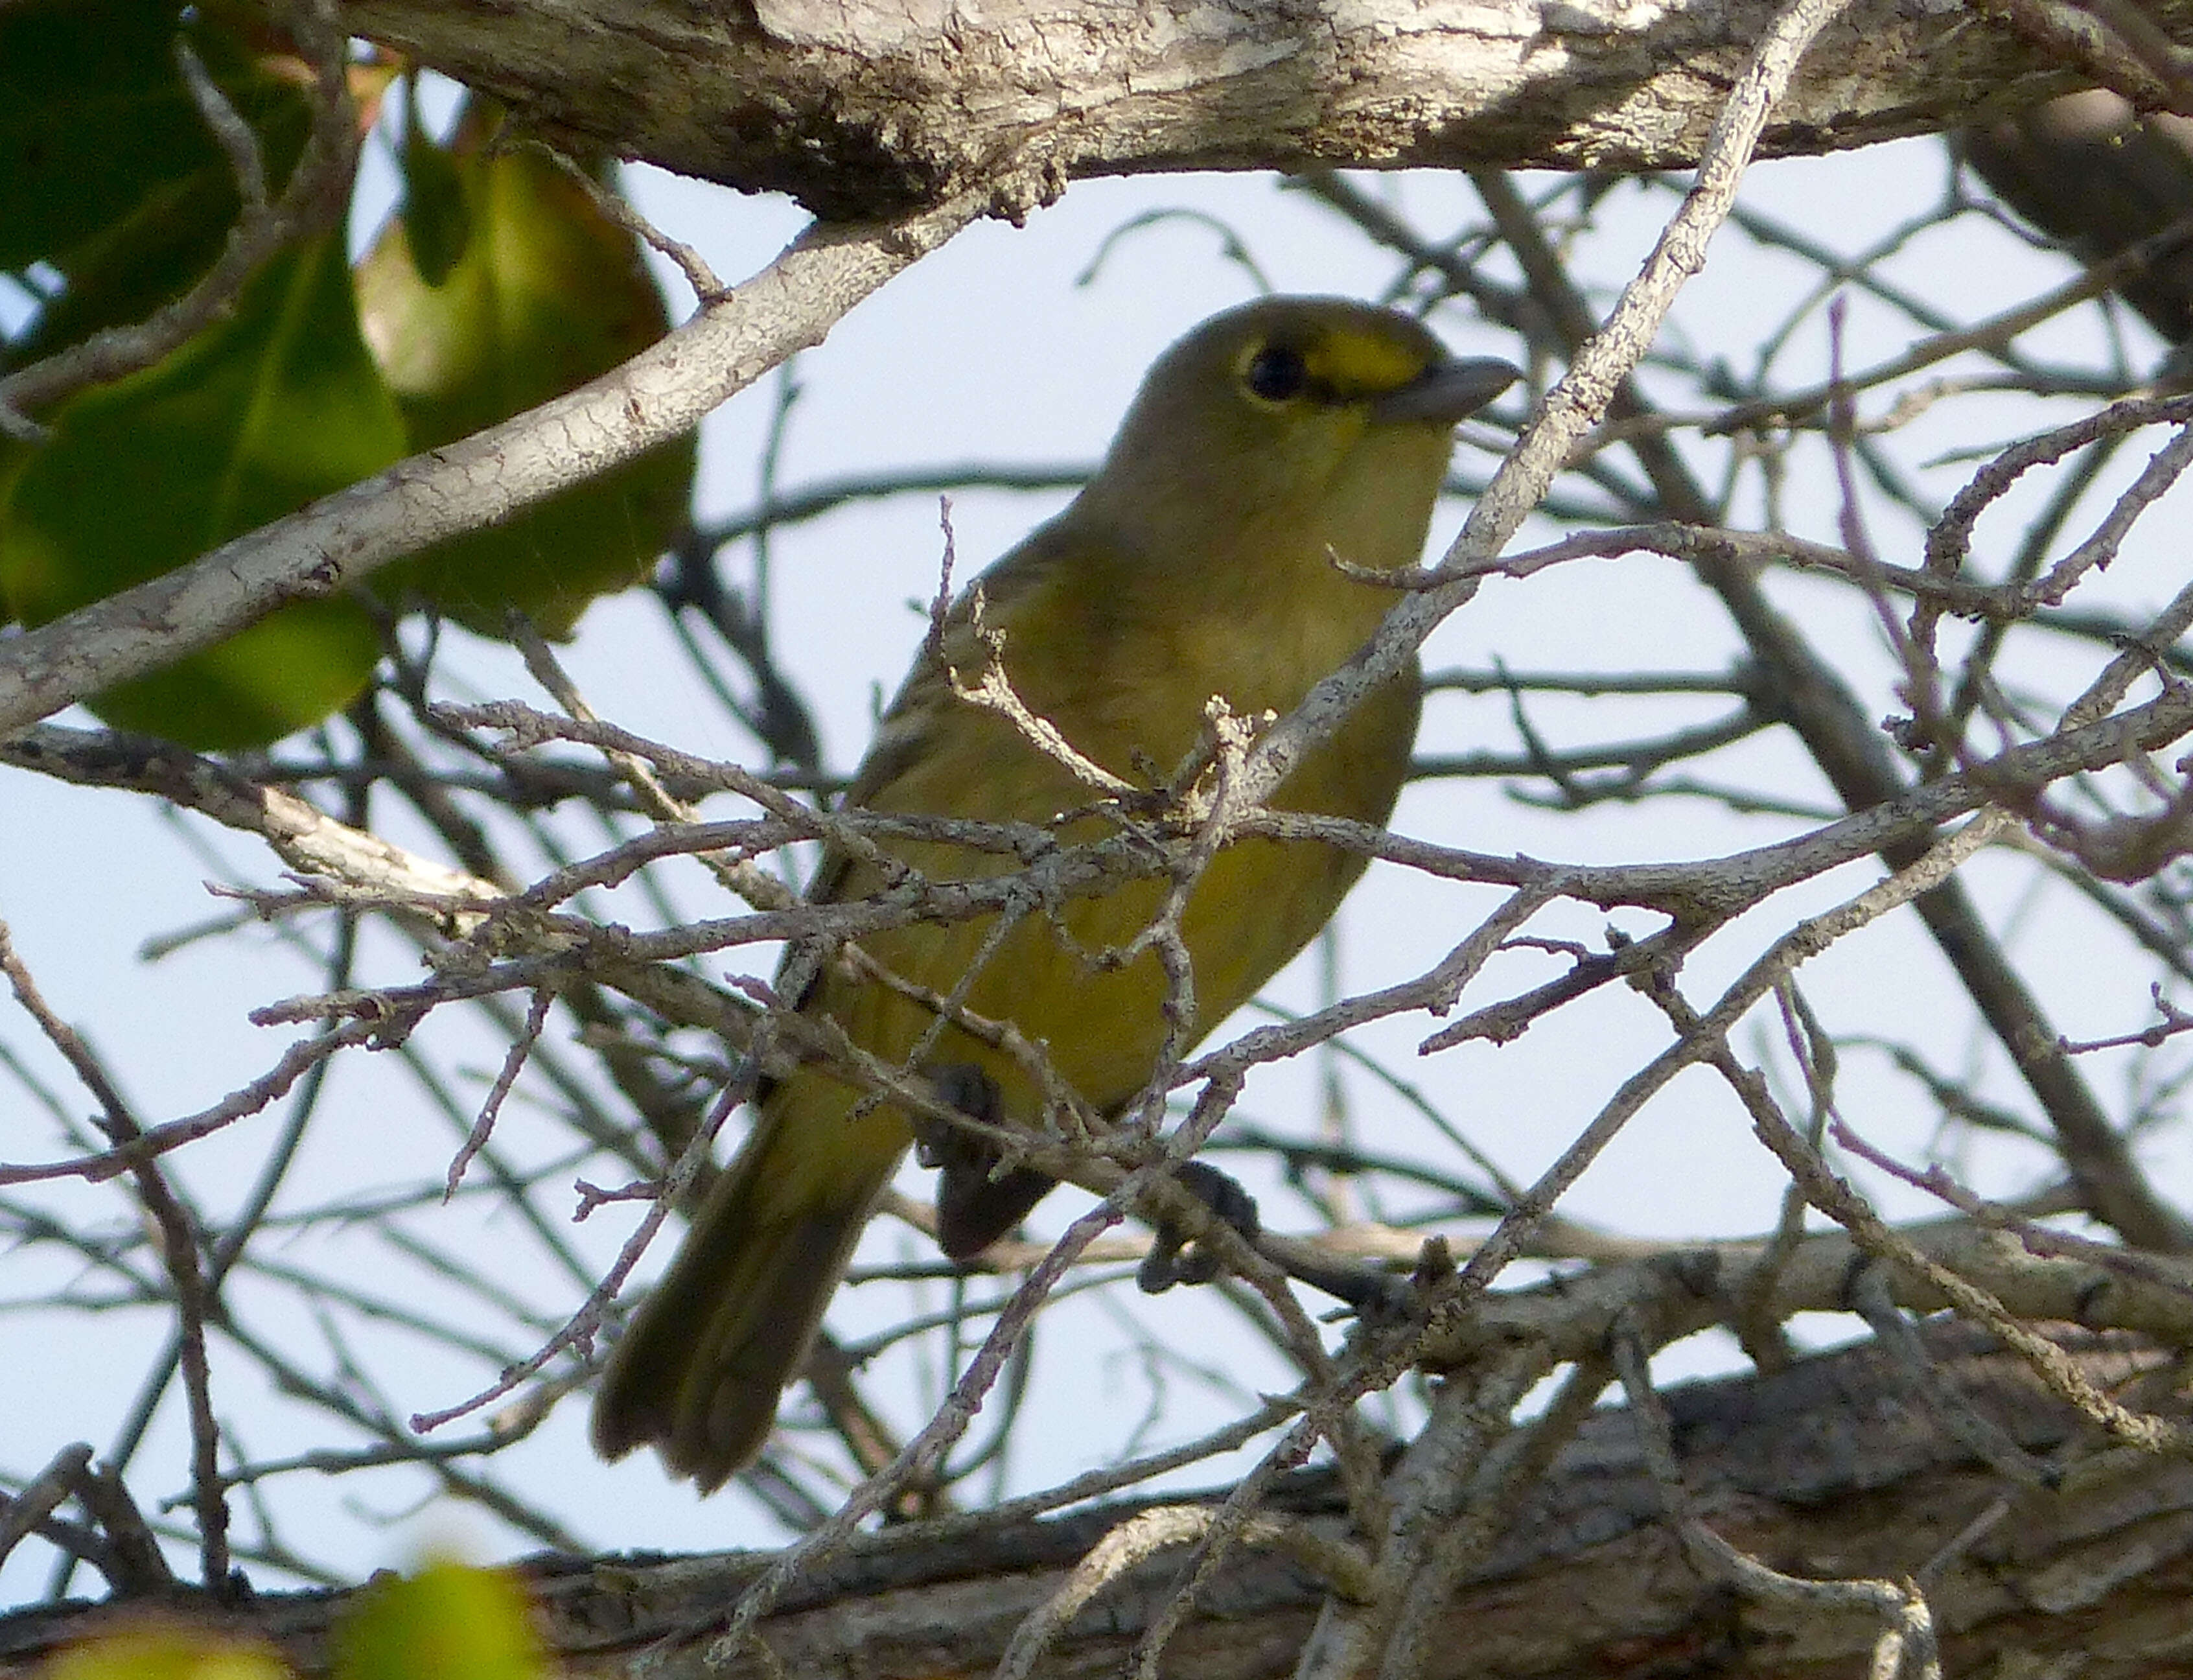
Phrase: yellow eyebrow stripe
{"type": "Point", "coordinates": [1361, 364]}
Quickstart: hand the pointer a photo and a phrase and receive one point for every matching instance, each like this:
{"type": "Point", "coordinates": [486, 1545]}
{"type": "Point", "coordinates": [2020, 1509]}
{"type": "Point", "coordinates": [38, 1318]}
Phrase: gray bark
{"type": "Point", "coordinates": [863, 108]}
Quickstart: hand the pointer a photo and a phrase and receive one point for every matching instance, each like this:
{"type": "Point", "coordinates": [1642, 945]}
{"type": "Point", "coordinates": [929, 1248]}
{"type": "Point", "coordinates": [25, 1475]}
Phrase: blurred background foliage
{"type": "Point", "coordinates": [499, 282]}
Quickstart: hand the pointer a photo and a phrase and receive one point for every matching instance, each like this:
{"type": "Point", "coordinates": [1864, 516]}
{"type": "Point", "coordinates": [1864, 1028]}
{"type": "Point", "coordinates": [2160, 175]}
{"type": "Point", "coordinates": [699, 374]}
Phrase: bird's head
{"type": "Point", "coordinates": [1325, 419]}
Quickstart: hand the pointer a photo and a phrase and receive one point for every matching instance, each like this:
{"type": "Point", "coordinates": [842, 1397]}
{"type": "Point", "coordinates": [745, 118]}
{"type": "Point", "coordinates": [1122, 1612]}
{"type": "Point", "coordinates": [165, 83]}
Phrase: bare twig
{"type": "Point", "coordinates": [195, 1304]}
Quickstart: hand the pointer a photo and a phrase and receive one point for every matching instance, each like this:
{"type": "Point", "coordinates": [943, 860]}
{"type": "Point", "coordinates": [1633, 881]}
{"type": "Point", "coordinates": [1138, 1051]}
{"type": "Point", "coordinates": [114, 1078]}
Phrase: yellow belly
{"type": "Point", "coordinates": [1257, 902]}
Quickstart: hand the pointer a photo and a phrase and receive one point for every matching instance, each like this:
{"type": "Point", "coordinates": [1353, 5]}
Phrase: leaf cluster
{"type": "Point", "coordinates": [134, 140]}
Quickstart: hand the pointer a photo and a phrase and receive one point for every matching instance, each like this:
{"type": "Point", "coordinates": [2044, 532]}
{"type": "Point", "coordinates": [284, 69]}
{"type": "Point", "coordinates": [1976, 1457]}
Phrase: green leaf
{"type": "Point", "coordinates": [447, 1619]}
{"type": "Point", "coordinates": [93, 114]}
{"type": "Point", "coordinates": [276, 407]}
{"type": "Point", "coordinates": [131, 269]}
{"type": "Point", "coordinates": [436, 220]}
{"type": "Point", "coordinates": [106, 168]}
{"type": "Point", "coordinates": [548, 294]}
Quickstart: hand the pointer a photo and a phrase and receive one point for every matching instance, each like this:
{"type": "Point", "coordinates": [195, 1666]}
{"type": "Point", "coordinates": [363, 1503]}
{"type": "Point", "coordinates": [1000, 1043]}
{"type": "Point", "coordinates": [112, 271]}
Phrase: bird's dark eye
{"type": "Point", "coordinates": [1277, 373]}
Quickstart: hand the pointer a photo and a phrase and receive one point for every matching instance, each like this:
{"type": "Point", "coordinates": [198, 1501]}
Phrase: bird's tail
{"type": "Point", "coordinates": [700, 1368]}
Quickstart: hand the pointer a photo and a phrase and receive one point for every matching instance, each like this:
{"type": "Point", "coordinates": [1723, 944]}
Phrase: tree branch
{"type": "Point", "coordinates": [863, 109]}
{"type": "Point", "coordinates": [659, 393]}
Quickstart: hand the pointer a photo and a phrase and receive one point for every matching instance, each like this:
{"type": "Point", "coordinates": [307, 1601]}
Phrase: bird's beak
{"type": "Point", "coordinates": [1447, 391]}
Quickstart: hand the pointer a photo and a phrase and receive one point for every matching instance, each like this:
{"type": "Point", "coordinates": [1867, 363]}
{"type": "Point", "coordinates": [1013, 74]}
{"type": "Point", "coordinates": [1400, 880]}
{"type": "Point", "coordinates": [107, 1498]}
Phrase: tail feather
{"type": "Point", "coordinates": [699, 1371]}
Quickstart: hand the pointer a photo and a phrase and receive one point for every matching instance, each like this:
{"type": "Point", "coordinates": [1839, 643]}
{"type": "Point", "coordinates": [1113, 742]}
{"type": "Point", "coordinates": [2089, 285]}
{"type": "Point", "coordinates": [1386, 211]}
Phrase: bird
{"type": "Point", "coordinates": [1271, 442]}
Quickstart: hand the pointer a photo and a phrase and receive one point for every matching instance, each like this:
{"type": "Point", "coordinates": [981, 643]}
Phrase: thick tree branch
{"type": "Point", "coordinates": [862, 109]}
{"type": "Point", "coordinates": [1587, 1581]}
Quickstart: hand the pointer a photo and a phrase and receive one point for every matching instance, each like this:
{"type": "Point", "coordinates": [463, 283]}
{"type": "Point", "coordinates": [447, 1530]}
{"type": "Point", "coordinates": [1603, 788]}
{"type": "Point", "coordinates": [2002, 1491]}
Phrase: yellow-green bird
{"type": "Point", "coordinates": [1198, 562]}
